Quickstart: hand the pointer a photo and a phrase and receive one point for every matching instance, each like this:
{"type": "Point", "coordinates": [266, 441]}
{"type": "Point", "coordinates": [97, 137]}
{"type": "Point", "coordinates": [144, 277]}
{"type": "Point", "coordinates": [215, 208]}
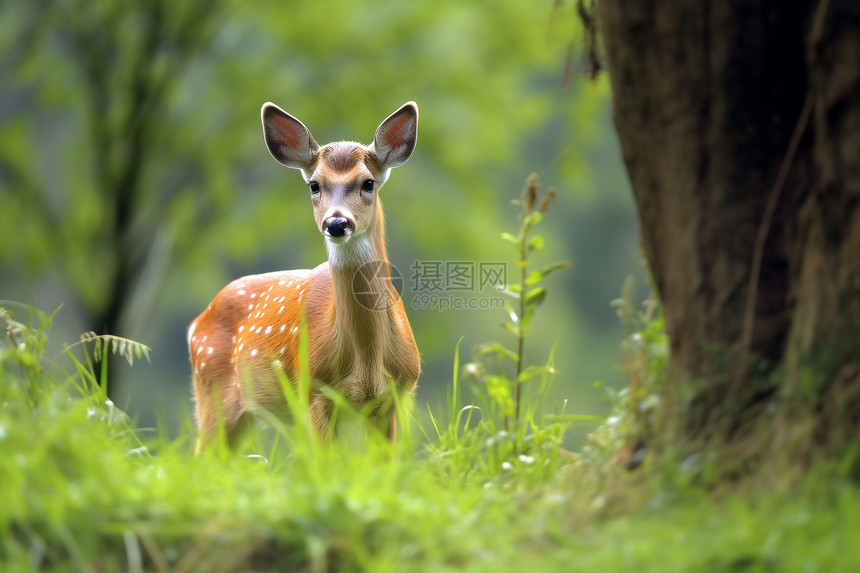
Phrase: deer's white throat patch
{"type": "Point", "coordinates": [351, 253]}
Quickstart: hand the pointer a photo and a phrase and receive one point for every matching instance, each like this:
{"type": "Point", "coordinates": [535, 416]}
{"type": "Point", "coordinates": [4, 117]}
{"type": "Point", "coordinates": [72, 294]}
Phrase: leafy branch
{"type": "Point", "coordinates": [104, 344]}
{"type": "Point", "coordinates": [525, 297]}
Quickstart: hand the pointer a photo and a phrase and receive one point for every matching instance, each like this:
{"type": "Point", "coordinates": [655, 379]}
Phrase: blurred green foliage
{"type": "Point", "coordinates": [133, 172]}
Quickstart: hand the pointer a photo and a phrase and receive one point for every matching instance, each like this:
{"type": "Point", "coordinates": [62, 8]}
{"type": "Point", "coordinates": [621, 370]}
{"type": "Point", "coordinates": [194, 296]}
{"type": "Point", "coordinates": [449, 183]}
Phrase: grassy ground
{"type": "Point", "coordinates": [82, 489]}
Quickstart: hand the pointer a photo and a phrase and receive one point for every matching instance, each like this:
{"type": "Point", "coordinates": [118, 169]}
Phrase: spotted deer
{"type": "Point", "coordinates": [359, 340]}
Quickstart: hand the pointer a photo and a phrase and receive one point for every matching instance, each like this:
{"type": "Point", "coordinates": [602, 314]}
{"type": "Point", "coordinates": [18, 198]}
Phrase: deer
{"type": "Point", "coordinates": [359, 341]}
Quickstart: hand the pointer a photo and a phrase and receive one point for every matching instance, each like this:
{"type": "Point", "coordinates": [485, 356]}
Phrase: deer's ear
{"type": "Point", "coordinates": [395, 137]}
{"type": "Point", "coordinates": [288, 140]}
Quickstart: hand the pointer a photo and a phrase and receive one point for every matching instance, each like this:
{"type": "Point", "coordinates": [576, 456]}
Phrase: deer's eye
{"type": "Point", "coordinates": [368, 185]}
{"type": "Point", "coordinates": [315, 187]}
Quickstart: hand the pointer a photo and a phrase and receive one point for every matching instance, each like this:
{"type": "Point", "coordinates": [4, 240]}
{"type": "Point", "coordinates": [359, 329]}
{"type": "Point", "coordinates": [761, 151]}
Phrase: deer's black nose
{"type": "Point", "coordinates": [337, 226]}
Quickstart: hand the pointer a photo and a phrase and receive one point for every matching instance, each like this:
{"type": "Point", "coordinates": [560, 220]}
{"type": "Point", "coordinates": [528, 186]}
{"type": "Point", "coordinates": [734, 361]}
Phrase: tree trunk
{"type": "Point", "coordinates": [740, 128]}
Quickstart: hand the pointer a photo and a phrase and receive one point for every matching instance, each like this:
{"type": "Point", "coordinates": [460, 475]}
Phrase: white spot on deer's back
{"type": "Point", "coordinates": [268, 329]}
{"type": "Point", "coordinates": [254, 352]}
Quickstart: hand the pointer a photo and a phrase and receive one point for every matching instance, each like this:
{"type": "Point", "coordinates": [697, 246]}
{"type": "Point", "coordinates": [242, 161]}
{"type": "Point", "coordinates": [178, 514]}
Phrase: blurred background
{"type": "Point", "coordinates": [134, 181]}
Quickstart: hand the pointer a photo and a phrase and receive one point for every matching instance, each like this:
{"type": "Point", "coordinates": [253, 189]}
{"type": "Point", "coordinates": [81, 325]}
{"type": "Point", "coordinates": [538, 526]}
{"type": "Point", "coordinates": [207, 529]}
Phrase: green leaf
{"type": "Point", "coordinates": [536, 296]}
{"type": "Point", "coordinates": [499, 389]}
{"type": "Point", "coordinates": [515, 288]}
{"type": "Point", "coordinates": [515, 241]}
{"type": "Point", "coordinates": [536, 243]}
{"type": "Point", "coordinates": [538, 275]}
{"type": "Point", "coordinates": [497, 349]}
{"type": "Point", "coordinates": [527, 318]}
{"type": "Point", "coordinates": [531, 219]}
{"type": "Point", "coordinates": [533, 371]}
{"type": "Point", "coordinates": [512, 314]}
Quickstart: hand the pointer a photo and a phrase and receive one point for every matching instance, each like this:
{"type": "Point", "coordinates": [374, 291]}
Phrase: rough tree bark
{"type": "Point", "coordinates": [711, 101]}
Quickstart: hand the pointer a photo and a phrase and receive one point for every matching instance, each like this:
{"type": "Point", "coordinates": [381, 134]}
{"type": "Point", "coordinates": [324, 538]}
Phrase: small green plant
{"type": "Point", "coordinates": [645, 355]}
{"type": "Point", "coordinates": [528, 293]}
{"type": "Point", "coordinates": [23, 344]}
{"type": "Point", "coordinates": [513, 431]}
{"type": "Point", "coordinates": [23, 357]}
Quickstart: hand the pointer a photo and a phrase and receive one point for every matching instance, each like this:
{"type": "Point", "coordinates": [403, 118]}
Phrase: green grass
{"type": "Point", "coordinates": [83, 489]}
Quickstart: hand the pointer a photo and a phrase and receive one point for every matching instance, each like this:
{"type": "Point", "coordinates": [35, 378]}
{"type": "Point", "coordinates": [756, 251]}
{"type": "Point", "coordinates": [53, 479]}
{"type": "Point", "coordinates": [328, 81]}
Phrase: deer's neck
{"type": "Point", "coordinates": [362, 288]}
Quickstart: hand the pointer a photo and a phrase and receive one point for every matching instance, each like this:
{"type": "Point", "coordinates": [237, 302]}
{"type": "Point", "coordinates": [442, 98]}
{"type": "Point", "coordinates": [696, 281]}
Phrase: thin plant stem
{"type": "Point", "coordinates": [522, 313]}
